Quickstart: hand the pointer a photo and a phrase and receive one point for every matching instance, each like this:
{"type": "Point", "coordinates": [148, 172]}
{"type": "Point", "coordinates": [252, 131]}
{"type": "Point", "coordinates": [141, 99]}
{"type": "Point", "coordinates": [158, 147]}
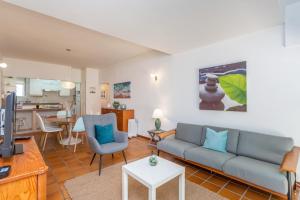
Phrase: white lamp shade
{"type": "Point", "coordinates": [67, 84]}
{"type": "Point", "coordinates": [157, 113]}
{"type": "Point", "coordinates": [3, 65]}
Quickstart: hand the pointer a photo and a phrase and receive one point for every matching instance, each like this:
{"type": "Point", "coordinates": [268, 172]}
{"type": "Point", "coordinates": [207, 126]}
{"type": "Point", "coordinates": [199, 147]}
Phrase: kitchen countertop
{"type": "Point", "coordinates": [40, 109]}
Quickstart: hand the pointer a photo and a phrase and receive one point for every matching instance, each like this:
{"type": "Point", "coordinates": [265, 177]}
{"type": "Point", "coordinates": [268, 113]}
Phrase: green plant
{"type": "Point", "coordinates": [235, 87]}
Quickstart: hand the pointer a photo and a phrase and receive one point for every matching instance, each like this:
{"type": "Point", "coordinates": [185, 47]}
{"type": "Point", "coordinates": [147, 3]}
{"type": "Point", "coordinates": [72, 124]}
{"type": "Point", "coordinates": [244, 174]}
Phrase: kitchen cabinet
{"type": "Point", "coordinates": [37, 86]}
{"type": "Point", "coordinates": [64, 92]}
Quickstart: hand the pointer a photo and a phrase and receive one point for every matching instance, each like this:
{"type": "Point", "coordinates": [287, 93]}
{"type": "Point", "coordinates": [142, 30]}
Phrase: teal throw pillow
{"type": "Point", "coordinates": [104, 134]}
{"type": "Point", "coordinates": [216, 140]}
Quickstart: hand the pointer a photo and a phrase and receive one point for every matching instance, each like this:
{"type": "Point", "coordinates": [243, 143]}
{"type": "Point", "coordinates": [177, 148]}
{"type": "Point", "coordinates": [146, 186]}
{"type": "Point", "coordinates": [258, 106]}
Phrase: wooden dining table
{"type": "Point", "coordinates": [68, 122]}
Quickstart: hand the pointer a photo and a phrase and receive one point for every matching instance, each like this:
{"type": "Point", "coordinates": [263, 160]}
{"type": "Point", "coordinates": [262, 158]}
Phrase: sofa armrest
{"type": "Point", "coordinates": [166, 134]}
{"type": "Point", "coordinates": [290, 161]}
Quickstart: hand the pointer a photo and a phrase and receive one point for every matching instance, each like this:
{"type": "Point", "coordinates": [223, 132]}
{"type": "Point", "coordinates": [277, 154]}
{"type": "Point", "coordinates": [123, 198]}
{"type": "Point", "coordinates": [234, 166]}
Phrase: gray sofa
{"type": "Point", "coordinates": [251, 157]}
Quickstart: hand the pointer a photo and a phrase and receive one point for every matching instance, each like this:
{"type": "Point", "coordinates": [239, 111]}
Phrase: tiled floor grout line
{"type": "Point", "coordinates": [63, 161]}
{"type": "Point", "coordinates": [243, 195]}
{"type": "Point", "coordinates": [234, 191]}
{"type": "Point", "coordinates": [223, 187]}
{"type": "Point", "coordinates": [61, 158]}
{"type": "Point", "coordinates": [56, 180]}
{"type": "Point", "coordinates": [194, 173]}
{"type": "Point", "coordinates": [66, 164]}
{"type": "Point", "coordinates": [206, 180]}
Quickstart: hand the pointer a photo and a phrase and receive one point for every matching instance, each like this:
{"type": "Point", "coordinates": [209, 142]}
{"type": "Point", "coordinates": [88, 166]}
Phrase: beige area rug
{"type": "Point", "coordinates": [108, 186]}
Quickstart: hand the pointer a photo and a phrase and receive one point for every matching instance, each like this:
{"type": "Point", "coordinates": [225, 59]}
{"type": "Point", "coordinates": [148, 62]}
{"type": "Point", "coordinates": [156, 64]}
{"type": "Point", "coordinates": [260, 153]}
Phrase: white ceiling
{"type": "Point", "coordinates": [166, 25]}
{"type": "Point", "coordinates": [30, 35]}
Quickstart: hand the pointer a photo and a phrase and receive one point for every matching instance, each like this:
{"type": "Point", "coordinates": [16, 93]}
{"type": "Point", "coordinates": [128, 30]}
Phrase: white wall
{"type": "Point", "coordinates": [292, 24]}
{"type": "Point", "coordinates": [92, 100]}
{"type": "Point", "coordinates": [273, 88]}
{"type": "Point", "coordinates": [32, 69]}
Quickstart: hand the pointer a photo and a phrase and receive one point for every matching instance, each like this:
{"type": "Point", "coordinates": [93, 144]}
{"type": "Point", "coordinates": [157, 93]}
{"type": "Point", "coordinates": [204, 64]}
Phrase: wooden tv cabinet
{"type": "Point", "coordinates": [28, 174]}
{"type": "Point", "coordinates": [122, 117]}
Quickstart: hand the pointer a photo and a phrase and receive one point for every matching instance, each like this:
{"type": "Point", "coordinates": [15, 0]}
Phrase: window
{"type": "Point", "coordinates": [20, 90]}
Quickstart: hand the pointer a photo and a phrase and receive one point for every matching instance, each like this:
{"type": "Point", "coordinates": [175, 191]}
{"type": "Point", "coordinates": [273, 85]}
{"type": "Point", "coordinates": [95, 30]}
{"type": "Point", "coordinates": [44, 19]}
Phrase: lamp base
{"type": "Point", "coordinates": [157, 124]}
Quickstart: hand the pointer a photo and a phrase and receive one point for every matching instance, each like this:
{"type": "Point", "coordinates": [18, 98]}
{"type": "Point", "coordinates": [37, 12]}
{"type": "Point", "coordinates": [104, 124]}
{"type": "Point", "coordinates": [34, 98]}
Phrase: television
{"type": "Point", "coordinates": [7, 146]}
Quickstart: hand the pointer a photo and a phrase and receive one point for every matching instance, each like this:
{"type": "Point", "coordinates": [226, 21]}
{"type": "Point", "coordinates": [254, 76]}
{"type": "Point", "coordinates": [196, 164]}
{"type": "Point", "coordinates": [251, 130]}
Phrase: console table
{"type": "Point", "coordinates": [122, 117]}
{"type": "Point", "coordinates": [28, 174]}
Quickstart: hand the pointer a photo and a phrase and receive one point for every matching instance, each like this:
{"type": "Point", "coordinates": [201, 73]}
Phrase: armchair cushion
{"type": "Point", "coordinates": [112, 147]}
{"type": "Point", "coordinates": [104, 134]}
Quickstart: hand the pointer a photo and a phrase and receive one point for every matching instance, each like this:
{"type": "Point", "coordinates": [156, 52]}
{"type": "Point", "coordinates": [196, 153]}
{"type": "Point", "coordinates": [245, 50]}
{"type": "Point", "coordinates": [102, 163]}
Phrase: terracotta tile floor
{"type": "Point", "coordinates": [64, 164]}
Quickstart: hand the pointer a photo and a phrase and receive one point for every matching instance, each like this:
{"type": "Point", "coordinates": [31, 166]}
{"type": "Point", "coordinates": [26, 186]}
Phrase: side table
{"type": "Point", "coordinates": [154, 134]}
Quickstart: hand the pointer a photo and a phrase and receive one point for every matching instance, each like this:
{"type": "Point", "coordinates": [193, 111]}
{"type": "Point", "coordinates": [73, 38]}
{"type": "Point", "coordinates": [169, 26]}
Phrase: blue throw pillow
{"type": "Point", "coordinates": [216, 140]}
{"type": "Point", "coordinates": [104, 134]}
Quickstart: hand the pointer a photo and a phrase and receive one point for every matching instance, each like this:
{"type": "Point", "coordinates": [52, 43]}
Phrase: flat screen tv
{"type": "Point", "coordinates": [7, 144]}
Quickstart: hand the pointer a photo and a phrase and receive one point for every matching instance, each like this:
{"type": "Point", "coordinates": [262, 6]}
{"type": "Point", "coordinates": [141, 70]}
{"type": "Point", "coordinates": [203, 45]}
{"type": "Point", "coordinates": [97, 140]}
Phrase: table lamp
{"type": "Point", "coordinates": [157, 114]}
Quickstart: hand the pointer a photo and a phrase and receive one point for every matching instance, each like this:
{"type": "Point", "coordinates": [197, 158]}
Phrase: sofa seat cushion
{"type": "Point", "coordinates": [258, 172]}
{"type": "Point", "coordinates": [207, 157]}
{"type": "Point", "coordinates": [174, 146]}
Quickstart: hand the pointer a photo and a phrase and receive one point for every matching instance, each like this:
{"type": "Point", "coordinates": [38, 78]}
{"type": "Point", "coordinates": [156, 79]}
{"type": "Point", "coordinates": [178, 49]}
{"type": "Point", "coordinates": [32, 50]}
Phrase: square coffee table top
{"type": "Point", "coordinates": [153, 176]}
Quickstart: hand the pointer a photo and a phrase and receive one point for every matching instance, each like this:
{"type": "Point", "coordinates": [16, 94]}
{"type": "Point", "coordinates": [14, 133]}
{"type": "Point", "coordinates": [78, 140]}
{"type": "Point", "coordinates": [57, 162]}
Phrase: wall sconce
{"type": "Point", "coordinates": [154, 76]}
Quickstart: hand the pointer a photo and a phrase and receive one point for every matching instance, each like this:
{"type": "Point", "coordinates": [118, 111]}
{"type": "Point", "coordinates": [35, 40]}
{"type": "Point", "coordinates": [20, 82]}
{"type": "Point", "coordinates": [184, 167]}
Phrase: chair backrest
{"type": "Point", "coordinates": [91, 120]}
{"type": "Point", "coordinates": [61, 113]}
{"type": "Point", "coordinates": [79, 125]}
{"type": "Point", "coordinates": [40, 122]}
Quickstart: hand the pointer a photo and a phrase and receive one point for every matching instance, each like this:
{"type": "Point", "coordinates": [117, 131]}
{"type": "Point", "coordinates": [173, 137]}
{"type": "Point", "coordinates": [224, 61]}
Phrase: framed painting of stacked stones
{"type": "Point", "coordinates": [224, 87]}
{"type": "Point", "coordinates": [122, 90]}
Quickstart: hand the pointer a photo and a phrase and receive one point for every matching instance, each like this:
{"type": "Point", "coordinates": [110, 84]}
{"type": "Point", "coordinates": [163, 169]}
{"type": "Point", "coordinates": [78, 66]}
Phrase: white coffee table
{"type": "Point", "coordinates": [153, 176]}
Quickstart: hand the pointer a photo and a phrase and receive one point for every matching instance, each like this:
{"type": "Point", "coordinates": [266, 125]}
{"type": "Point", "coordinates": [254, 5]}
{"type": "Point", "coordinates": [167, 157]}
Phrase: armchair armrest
{"type": "Point", "coordinates": [166, 134]}
{"type": "Point", "coordinates": [94, 145]}
{"type": "Point", "coordinates": [290, 161]}
{"type": "Point", "coordinates": [121, 137]}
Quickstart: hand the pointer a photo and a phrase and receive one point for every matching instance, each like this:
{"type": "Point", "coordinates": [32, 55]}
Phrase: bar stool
{"type": "Point", "coordinates": [20, 121]}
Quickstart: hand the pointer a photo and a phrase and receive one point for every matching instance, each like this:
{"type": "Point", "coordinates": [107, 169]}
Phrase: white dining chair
{"type": "Point", "coordinates": [78, 128]}
{"type": "Point", "coordinates": [46, 130]}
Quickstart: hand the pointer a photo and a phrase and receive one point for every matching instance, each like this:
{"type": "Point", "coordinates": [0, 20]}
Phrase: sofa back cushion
{"type": "Point", "coordinates": [232, 137]}
{"type": "Point", "coordinates": [189, 133]}
{"type": "Point", "coordinates": [264, 147]}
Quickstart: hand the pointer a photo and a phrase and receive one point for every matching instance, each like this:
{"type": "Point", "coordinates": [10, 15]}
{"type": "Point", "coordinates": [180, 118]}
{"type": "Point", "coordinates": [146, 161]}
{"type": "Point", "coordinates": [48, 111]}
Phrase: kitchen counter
{"type": "Point", "coordinates": [38, 109]}
{"type": "Point", "coordinates": [26, 119]}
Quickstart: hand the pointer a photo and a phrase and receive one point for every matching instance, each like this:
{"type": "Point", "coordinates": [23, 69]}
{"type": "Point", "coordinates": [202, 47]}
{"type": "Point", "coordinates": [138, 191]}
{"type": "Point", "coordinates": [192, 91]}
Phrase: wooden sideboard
{"type": "Point", "coordinates": [28, 174]}
{"type": "Point", "coordinates": [122, 117]}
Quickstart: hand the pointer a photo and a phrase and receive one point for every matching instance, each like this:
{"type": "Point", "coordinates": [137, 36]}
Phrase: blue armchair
{"type": "Point", "coordinates": [121, 138]}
